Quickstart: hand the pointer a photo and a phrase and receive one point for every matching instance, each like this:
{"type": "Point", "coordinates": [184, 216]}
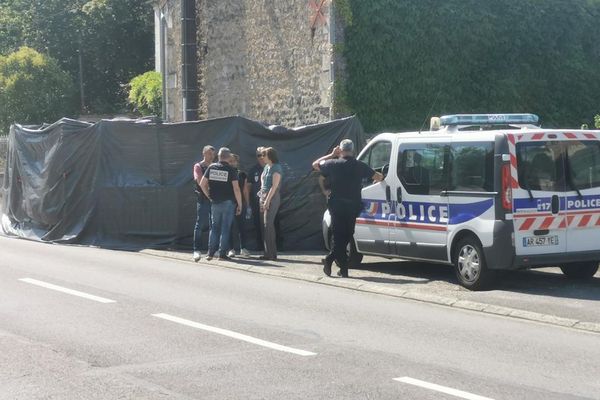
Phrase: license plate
{"type": "Point", "coordinates": [533, 241]}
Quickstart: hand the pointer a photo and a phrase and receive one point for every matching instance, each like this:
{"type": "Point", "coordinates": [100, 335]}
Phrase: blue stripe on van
{"type": "Point", "coordinates": [425, 212]}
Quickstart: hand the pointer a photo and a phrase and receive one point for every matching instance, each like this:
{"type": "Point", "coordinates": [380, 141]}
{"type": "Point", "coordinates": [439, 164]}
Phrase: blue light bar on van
{"type": "Point", "coordinates": [489, 119]}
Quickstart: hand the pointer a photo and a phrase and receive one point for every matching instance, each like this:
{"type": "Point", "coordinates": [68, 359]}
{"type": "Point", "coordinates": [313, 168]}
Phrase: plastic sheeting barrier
{"type": "Point", "coordinates": [128, 184]}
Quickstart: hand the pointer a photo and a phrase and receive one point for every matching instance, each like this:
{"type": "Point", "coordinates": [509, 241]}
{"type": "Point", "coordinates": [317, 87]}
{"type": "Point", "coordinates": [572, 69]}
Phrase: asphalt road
{"type": "Point", "coordinates": [164, 329]}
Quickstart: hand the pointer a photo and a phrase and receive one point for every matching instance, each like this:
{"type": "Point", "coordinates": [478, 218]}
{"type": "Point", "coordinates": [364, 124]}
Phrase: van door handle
{"type": "Point", "coordinates": [388, 194]}
{"type": "Point", "coordinates": [399, 194]}
{"type": "Point", "coordinates": [555, 204]}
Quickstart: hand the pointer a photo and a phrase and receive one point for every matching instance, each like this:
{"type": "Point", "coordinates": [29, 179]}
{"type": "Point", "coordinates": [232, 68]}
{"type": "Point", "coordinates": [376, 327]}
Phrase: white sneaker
{"type": "Point", "coordinates": [197, 256]}
{"type": "Point", "coordinates": [244, 253]}
{"type": "Point", "coordinates": [231, 253]}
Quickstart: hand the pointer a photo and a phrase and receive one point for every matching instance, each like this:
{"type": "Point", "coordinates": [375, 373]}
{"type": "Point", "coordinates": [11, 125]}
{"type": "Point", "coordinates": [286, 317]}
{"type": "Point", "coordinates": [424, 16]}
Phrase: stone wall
{"type": "Point", "coordinates": [261, 60]}
{"type": "Point", "coordinates": [256, 58]}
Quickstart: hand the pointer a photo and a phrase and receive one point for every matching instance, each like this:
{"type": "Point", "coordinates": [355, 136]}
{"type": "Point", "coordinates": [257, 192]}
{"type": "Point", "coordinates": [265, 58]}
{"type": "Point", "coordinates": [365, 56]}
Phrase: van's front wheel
{"type": "Point", "coordinates": [354, 257]}
{"type": "Point", "coordinates": [470, 265]}
{"type": "Point", "coordinates": [580, 270]}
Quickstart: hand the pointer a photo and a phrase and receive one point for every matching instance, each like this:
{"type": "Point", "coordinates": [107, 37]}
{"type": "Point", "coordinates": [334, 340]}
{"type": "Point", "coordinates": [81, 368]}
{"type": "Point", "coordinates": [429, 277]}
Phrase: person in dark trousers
{"type": "Point", "coordinates": [202, 203]}
{"type": "Point", "coordinates": [238, 231]}
{"type": "Point", "coordinates": [270, 200]}
{"type": "Point", "coordinates": [221, 187]}
{"type": "Point", "coordinates": [345, 175]}
{"type": "Point", "coordinates": [251, 190]}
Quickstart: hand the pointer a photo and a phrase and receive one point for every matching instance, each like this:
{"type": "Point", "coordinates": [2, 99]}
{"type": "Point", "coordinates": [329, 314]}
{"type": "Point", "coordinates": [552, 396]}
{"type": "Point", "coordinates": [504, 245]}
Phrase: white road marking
{"type": "Point", "coordinates": [234, 335]}
{"type": "Point", "coordinates": [441, 389]}
{"type": "Point", "coordinates": [68, 291]}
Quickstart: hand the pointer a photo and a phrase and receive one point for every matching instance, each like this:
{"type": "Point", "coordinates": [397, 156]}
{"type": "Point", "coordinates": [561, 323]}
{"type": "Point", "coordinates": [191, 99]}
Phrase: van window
{"type": "Point", "coordinates": [540, 166]}
{"type": "Point", "coordinates": [584, 164]}
{"type": "Point", "coordinates": [378, 156]}
{"type": "Point", "coordinates": [422, 168]}
{"type": "Point", "coordinates": [472, 167]}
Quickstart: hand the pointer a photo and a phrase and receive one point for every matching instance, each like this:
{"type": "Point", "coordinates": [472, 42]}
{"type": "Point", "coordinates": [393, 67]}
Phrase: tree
{"type": "Point", "coordinates": [114, 39]}
{"type": "Point", "coordinates": [145, 93]}
{"type": "Point", "coordinates": [407, 59]}
{"type": "Point", "coordinates": [33, 89]}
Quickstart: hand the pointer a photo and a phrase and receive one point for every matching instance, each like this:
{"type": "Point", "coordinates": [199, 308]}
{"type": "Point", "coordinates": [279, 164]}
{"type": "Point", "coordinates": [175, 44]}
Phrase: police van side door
{"type": "Point", "coordinates": [538, 173]}
{"type": "Point", "coordinates": [582, 162]}
{"type": "Point", "coordinates": [372, 225]}
{"type": "Point", "coordinates": [420, 227]}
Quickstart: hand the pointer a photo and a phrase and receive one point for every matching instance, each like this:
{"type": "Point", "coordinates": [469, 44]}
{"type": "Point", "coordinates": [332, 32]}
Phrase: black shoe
{"type": "Point", "coordinates": [224, 258]}
{"type": "Point", "coordinates": [327, 262]}
{"type": "Point", "coordinates": [265, 258]}
{"type": "Point", "coordinates": [343, 273]}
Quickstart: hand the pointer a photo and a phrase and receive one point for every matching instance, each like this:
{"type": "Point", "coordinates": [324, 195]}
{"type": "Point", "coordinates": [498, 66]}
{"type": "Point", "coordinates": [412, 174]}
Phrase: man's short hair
{"type": "Point", "coordinates": [347, 146]}
{"type": "Point", "coordinates": [224, 154]}
{"type": "Point", "coordinates": [207, 148]}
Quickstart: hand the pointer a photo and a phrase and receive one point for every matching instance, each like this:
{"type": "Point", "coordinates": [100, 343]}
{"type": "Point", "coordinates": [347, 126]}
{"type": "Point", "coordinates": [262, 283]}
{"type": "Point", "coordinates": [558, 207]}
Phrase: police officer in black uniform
{"type": "Point", "coordinates": [345, 175]}
{"type": "Point", "coordinates": [251, 189]}
{"type": "Point", "coordinates": [221, 187]}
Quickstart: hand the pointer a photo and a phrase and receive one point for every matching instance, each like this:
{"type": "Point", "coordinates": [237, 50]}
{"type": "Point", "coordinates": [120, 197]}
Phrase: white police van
{"type": "Point", "coordinates": [483, 193]}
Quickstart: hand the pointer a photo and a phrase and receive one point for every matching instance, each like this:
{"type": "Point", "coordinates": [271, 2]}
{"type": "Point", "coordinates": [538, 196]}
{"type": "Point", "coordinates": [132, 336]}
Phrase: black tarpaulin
{"type": "Point", "coordinates": [128, 184]}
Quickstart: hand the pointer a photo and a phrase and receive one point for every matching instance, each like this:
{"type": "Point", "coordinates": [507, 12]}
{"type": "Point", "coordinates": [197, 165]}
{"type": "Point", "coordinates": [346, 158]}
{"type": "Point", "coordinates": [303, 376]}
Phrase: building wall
{"type": "Point", "coordinates": [258, 59]}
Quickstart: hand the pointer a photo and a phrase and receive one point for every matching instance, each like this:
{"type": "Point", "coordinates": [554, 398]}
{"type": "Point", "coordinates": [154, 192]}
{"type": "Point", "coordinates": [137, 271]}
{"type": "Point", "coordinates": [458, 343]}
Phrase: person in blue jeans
{"type": "Point", "coordinates": [221, 187]}
{"type": "Point", "coordinates": [202, 202]}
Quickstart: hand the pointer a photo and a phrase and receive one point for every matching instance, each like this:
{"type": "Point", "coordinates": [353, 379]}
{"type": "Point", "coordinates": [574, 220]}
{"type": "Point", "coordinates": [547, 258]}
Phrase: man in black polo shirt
{"type": "Point", "coordinates": [220, 185]}
{"type": "Point", "coordinates": [202, 204]}
{"type": "Point", "coordinates": [251, 189]}
{"type": "Point", "coordinates": [345, 175]}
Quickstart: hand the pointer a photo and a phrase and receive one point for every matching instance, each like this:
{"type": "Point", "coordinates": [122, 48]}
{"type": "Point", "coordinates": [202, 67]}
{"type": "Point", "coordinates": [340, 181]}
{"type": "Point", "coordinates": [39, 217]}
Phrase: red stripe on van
{"type": "Point", "coordinates": [547, 222]}
{"type": "Point", "coordinates": [585, 220]}
{"type": "Point", "coordinates": [598, 222]}
{"type": "Point", "coordinates": [513, 161]}
{"type": "Point", "coordinates": [363, 221]}
{"type": "Point", "coordinates": [570, 135]}
{"type": "Point", "coordinates": [511, 138]}
{"type": "Point", "coordinates": [527, 224]}
{"type": "Point", "coordinates": [514, 183]}
{"type": "Point", "coordinates": [590, 136]}
{"type": "Point", "coordinates": [538, 136]}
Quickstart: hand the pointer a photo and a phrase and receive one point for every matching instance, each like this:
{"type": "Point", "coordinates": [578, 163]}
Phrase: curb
{"type": "Point", "coordinates": [453, 302]}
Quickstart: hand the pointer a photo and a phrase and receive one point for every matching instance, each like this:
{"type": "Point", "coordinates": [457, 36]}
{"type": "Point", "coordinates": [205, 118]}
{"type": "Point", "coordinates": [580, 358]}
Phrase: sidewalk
{"type": "Point", "coordinates": [543, 295]}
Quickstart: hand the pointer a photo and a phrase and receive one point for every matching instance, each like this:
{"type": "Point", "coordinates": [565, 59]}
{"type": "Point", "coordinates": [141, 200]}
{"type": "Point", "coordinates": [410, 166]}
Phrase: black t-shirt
{"type": "Point", "coordinates": [345, 177]}
{"type": "Point", "coordinates": [220, 175]}
{"type": "Point", "coordinates": [200, 168]}
{"type": "Point", "coordinates": [254, 179]}
{"type": "Point", "coordinates": [242, 178]}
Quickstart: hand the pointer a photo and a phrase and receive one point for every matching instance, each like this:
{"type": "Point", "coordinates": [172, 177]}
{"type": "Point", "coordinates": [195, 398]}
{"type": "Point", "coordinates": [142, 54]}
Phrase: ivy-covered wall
{"type": "Point", "coordinates": [407, 59]}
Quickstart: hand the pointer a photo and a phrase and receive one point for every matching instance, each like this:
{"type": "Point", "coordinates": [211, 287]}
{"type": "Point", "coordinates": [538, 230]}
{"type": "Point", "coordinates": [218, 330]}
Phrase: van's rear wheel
{"type": "Point", "coordinates": [470, 265]}
{"type": "Point", "coordinates": [580, 270]}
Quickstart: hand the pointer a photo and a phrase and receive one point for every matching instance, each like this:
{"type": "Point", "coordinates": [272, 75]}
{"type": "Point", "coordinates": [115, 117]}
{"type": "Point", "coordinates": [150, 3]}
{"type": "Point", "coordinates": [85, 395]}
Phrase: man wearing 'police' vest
{"type": "Point", "coordinates": [345, 175]}
{"type": "Point", "coordinates": [220, 185]}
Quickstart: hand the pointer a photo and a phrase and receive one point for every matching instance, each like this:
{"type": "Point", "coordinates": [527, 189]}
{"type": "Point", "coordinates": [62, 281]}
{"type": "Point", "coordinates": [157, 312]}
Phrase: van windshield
{"type": "Point", "coordinates": [540, 166]}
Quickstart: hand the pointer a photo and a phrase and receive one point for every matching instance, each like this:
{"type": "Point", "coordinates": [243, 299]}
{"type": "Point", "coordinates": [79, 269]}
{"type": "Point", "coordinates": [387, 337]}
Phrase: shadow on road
{"type": "Point", "coordinates": [545, 282]}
